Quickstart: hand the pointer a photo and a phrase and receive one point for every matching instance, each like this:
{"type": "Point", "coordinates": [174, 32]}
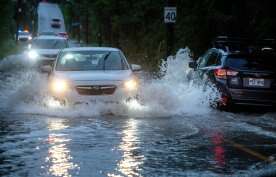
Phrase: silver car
{"type": "Point", "coordinates": [44, 49]}
{"type": "Point", "coordinates": [98, 73]}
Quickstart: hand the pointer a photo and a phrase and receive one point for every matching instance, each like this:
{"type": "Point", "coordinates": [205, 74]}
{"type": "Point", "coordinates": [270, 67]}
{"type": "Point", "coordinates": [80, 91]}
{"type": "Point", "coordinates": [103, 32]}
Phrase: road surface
{"type": "Point", "coordinates": [174, 133]}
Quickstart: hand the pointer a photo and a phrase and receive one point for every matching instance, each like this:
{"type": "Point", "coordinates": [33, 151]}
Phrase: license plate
{"type": "Point", "coordinates": [256, 82]}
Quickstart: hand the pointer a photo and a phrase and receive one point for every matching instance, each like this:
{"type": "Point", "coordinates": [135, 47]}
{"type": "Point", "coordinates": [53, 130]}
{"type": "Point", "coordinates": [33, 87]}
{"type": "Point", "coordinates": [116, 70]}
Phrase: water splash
{"type": "Point", "coordinates": [24, 90]}
{"type": "Point", "coordinates": [175, 93]}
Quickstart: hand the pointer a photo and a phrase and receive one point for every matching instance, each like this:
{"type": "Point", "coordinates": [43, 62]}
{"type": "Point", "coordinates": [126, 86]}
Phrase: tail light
{"type": "Point", "coordinates": [223, 73]}
{"type": "Point", "coordinates": [63, 34]}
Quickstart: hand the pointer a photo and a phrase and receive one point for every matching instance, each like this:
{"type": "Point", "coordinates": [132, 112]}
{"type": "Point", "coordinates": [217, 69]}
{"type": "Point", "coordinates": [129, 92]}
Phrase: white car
{"type": "Point", "coordinates": [99, 73]}
{"type": "Point", "coordinates": [44, 49]}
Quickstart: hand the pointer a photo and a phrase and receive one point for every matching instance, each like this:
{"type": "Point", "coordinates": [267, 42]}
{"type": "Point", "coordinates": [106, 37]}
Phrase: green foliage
{"type": "Point", "coordinates": [6, 25]}
{"type": "Point", "coordinates": [9, 47]}
{"type": "Point", "coordinates": [137, 26]}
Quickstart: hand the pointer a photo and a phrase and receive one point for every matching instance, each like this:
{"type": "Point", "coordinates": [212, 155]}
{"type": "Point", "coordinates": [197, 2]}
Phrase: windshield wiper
{"type": "Point", "coordinates": [55, 44]}
{"type": "Point", "coordinates": [105, 58]}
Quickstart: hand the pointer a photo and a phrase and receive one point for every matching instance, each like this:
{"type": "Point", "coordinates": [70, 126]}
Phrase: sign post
{"type": "Point", "coordinates": [170, 19]}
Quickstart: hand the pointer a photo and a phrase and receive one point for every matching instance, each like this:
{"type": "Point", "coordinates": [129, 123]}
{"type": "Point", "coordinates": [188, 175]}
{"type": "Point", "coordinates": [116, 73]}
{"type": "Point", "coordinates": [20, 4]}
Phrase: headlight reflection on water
{"type": "Point", "coordinates": [57, 124]}
{"type": "Point", "coordinates": [52, 103]}
{"type": "Point", "coordinates": [131, 161]}
{"type": "Point", "coordinates": [59, 156]}
{"type": "Point", "coordinates": [134, 104]}
{"type": "Point", "coordinates": [33, 54]}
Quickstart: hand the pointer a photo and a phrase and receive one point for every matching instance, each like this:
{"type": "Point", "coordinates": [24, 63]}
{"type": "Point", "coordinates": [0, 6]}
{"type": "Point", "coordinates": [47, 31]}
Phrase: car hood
{"type": "Point", "coordinates": [47, 51]}
{"type": "Point", "coordinates": [94, 75]}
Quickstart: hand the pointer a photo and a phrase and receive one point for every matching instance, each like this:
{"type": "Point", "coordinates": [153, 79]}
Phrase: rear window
{"type": "Point", "coordinates": [56, 19]}
{"type": "Point", "coordinates": [256, 62]}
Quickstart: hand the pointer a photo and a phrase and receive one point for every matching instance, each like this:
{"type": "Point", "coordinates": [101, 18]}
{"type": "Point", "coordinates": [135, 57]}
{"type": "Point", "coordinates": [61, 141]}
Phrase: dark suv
{"type": "Point", "coordinates": [244, 72]}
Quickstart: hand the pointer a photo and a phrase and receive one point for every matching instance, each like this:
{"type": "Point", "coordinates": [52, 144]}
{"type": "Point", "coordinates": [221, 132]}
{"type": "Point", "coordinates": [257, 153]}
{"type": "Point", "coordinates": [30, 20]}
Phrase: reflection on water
{"type": "Point", "coordinates": [131, 160]}
{"type": "Point", "coordinates": [59, 157]}
{"type": "Point", "coordinates": [56, 124]}
{"type": "Point", "coordinates": [219, 152]}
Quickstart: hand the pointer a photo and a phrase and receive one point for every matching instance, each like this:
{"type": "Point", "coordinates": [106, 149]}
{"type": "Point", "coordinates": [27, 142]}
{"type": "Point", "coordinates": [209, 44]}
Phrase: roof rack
{"type": "Point", "coordinates": [238, 44]}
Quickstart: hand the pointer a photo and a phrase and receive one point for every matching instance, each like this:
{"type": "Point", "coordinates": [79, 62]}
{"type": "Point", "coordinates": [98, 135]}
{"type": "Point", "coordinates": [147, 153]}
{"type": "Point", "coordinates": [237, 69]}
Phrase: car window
{"type": "Point", "coordinates": [49, 43]}
{"type": "Point", "coordinates": [112, 62]}
{"type": "Point", "coordinates": [213, 59]}
{"type": "Point", "coordinates": [24, 33]}
{"type": "Point", "coordinates": [252, 62]}
{"type": "Point", "coordinates": [202, 61]}
{"type": "Point", "coordinates": [47, 34]}
{"type": "Point", "coordinates": [90, 60]}
{"type": "Point", "coordinates": [56, 19]}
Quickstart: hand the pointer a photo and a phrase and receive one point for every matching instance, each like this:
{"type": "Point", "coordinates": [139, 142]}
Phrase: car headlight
{"type": "Point", "coordinates": [33, 54]}
{"type": "Point", "coordinates": [131, 84]}
{"type": "Point", "coordinates": [59, 86]}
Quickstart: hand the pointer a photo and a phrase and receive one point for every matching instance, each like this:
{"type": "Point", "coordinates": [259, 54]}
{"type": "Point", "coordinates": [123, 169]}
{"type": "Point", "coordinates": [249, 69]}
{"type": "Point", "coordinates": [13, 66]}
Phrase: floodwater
{"type": "Point", "coordinates": [173, 132]}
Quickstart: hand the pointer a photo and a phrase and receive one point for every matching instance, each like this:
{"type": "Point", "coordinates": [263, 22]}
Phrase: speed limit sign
{"type": "Point", "coordinates": [170, 14]}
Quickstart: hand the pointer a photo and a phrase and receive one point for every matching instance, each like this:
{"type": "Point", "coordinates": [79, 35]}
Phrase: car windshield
{"type": "Point", "coordinates": [49, 43]}
{"type": "Point", "coordinates": [256, 62]}
{"type": "Point", "coordinates": [23, 33]}
{"type": "Point", "coordinates": [91, 60]}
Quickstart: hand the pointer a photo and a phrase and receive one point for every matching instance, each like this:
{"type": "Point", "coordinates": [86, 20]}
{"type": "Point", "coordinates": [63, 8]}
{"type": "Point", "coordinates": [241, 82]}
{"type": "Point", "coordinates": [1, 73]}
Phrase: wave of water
{"type": "Point", "coordinates": [23, 90]}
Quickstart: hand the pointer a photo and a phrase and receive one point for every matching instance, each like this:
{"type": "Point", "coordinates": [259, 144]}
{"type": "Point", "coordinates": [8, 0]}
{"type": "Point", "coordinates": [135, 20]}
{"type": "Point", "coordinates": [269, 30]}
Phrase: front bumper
{"type": "Point", "coordinates": [253, 97]}
{"type": "Point", "coordinates": [47, 62]}
{"type": "Point", "coordinates": [73, 96]}
{"type": "Point", "coordinates": [23, 39]}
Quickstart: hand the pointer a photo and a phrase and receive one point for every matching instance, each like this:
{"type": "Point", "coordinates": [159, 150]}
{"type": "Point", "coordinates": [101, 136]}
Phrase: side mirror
{"type": "Point", "coordinates": [192, 64]}
{"type": "Point", "coordinates": [46, 69]}
{"type": "Point", "coordinates": [136, 68]}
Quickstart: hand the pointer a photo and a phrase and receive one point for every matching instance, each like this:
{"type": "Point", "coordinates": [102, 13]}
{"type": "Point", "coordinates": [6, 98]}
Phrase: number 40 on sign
{"type": "Point", "coordinates": [170, 14]}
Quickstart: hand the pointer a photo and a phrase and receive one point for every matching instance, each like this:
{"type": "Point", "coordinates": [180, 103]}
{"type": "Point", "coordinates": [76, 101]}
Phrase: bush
{"type": "Point", "coordinates": [7, 48]}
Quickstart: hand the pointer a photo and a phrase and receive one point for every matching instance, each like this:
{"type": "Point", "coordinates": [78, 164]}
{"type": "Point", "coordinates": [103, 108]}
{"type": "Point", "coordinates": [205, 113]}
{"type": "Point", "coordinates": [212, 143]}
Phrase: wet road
{"type": "Point", "coordinates": [174, 133]}
{"type": "Point", "coordinates": [219, 143]}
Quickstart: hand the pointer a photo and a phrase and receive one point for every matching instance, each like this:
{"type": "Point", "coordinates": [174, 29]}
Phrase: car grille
{"type": "Point", "coordinates": [49, 55]}
{"type": "Point", "coordinates": [96, 89]}
{"type": "Point", "coordinates": [46, 62]}
{"type": "Point", "coordinates": [23, 39]}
